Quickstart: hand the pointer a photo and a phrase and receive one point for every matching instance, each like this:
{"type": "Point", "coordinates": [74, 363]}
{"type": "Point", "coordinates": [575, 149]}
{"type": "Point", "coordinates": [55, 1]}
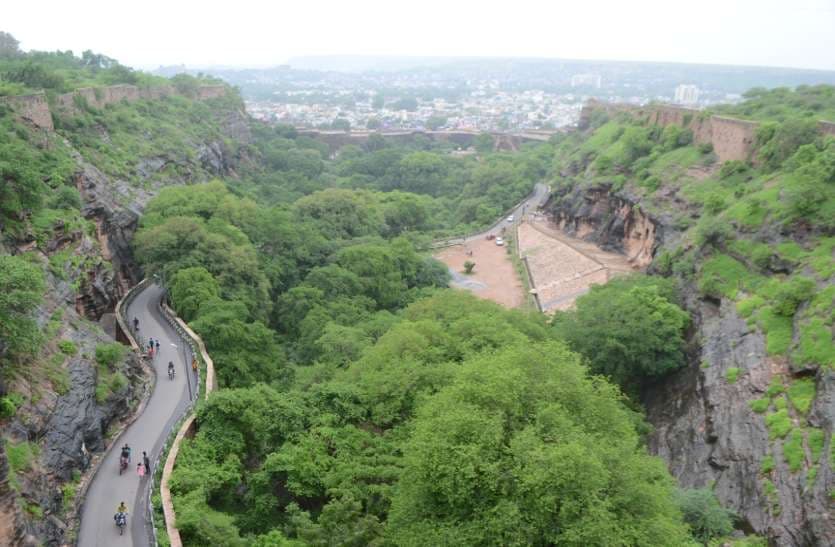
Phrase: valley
{"type": "Point", "coordinates": [650, 346]}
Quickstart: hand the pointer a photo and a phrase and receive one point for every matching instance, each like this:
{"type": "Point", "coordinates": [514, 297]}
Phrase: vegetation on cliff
{"type": "Point", "coordinates": [755, 235]}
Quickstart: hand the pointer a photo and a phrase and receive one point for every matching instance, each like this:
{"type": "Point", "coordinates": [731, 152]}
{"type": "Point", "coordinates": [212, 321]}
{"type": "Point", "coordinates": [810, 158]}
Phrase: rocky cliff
{"type": "Point", "coordinates": [69, 406]}
{"type": "Point", "coordinates": [704, 425]}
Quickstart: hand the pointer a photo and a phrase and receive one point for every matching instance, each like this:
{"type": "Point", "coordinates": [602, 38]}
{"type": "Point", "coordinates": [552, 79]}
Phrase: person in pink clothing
{"type": "Point", "coordinates": [140, 470]}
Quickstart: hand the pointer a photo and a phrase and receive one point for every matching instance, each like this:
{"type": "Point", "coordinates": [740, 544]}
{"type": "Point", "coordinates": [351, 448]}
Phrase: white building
{"type": "Point", "coordinates": [586, 80]}
{"type": "Point", "coordinates": [687, 94]}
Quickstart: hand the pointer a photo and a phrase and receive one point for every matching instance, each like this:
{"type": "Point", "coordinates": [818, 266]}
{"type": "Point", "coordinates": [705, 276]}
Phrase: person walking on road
{"type": "Point", "coordinates": [135, 323]}
{"type": "Point", "coordinates": [156, 342]}
{"type": "Point", "coordinates": [140, 469]}
{"type": "Point", "coordinates": [147, 462]}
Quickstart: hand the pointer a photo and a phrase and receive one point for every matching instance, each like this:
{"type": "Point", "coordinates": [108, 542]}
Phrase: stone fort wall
{"type": "Point", "coordinates": [32, 108]}
{"type": "Point", "coordinates": [35, 108]}
{"type": "Point", "coordinates": [731, 138]}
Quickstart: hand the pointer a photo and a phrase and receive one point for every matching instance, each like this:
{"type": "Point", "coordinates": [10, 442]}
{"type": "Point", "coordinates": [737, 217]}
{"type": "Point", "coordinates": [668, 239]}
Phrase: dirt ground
{"type": "Point", "coordinates": [493, 277]}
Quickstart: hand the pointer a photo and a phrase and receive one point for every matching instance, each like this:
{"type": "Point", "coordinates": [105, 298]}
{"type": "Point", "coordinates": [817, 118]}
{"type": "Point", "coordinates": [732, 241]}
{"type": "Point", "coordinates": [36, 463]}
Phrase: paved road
{"type": "Point", "coordinates": [148, 433]}
{"type": "Point", "coordinates": [537, 199]}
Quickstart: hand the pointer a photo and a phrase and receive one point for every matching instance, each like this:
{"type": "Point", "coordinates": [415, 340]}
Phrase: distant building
{"type": "Point", "coordinates": [586, 80]}
{"type": "Point", "coordinates": [687, 94]}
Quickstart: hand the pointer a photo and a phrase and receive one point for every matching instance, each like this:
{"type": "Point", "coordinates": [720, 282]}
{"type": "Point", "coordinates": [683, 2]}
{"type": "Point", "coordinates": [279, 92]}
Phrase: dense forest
{"type": "Point", "coordinates": [361, 401]}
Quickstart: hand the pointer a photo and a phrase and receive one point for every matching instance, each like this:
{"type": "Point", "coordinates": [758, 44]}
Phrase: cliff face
{"type": "Point", "coordinates": [69, 411]}
{"type": "Point", "coordinates": [704, 426]}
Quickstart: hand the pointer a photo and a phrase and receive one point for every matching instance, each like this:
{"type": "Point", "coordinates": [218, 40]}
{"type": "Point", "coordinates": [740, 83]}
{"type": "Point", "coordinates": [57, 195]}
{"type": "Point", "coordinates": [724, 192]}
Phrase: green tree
{"type": "Point", "coordinates": [524, 449]}
{"type": "Point", "coordinates": [629, 329]}
{"type": "Point", "coordinates": [189, 288]}
{"type": "Point", "coordinates": [243, 352]}
{"type": "Point", "coordinates": [9, 46]}
{"type": "Point", "coordinates": [703, 513]}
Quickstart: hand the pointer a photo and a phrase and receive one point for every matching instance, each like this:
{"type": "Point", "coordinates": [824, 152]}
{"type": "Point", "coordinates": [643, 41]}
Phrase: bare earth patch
{"type": "Point", "coordinates": [493, 277]}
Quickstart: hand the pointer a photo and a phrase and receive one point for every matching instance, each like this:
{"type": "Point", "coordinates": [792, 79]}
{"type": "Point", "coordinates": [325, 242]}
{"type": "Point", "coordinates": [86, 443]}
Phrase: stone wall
{"type": "Point", "coordinates": [35, 108]}
{"type": "Point", "coordinates": [211, 91]}
{"type": "Point", "coordinates": [32, 108]}
{"type": "Point", "coordinates": [731, 138]}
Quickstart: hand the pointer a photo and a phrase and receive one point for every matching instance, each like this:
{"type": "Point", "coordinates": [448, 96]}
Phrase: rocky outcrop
{"type": "Point", "coordinates": [65, 410]}
{"type": "Point", "coordinates": [704, 427]}
{"type": "Point", "coordinates": [613, 222]}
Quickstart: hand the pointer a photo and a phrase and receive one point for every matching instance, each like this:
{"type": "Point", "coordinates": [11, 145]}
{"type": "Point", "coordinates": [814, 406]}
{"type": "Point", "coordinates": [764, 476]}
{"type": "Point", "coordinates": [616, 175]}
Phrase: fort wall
{"type": "Point", "coordinates": [35, 107]}
{"type": "Point", "coordinates": [731, 138]}
{"type": "Point", "coordinates": [32, 108]}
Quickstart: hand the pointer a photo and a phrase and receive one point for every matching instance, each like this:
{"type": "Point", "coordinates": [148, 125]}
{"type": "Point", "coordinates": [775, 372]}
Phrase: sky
{"type": "Point", "coordinates": [150, 33]}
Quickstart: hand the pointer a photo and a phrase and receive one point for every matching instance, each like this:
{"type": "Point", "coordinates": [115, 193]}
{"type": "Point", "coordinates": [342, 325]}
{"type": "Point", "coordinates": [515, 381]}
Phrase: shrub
{"type": "Point", "coordinates": [468, 267]}
{"type": "Point", "coordinates": [712, 231]}
{"type": "Point", "coordinates": [109, 354]}
{"type": "Point", "coordinates": [67, 347]}
{"type": "Point", "coordinates": [65, 197]}
{"type": "Point", "coordinates": [791, 294]}
{"type": "Point", "coordinates": [703, 513]}
{"type": "Point", "coordinates": [7, 408]}
{"type": "Point", "coordinates": [767, 464]}
{"type": "Point", "coordinates": [779, 424]}
{"type": "Point", "coordinates": [793, 450]}
{"type": "Point", "coordinates": [802, 393]}
{"type": "Point", "coordinates": [731, 375]}
{"type": "Point", "coordinates": [759, 405]}
{"type": "Point", "coordinates": [815, 439]}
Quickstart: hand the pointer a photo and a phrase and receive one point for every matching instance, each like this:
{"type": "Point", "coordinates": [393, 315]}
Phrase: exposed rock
{"type": "Point", "coordinates": [703, 425]}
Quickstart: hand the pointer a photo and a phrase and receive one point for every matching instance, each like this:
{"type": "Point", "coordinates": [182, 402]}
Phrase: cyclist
{"type": "Point", "coordinates": [170, 370]}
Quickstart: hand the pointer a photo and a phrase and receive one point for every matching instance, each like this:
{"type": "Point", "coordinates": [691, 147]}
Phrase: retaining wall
{"type": "Point", "coordinates": [188, 426]}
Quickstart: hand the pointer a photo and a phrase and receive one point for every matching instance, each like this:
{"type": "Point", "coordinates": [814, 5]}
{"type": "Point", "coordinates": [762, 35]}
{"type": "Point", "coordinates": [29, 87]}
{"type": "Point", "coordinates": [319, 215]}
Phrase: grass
{"type": "Point", "coordinates": [801, 393]}
{"type": "Point", "coordinates": [780, 403]}
{"type": "Point", "coordinates": [779, 424]}
{"type": "Point", "coordinates": [767, 464]}
{"type": "Point", "coordinates": [793, 450]}
{"type": "Point", "coordinates": [57, 374]}
{"type": "Point", "coordinates": [20, 457]}
{"type": "Point", "coordinates": [69, 491]}
{"type": "Point", "coordinates": [777, 329]}
{"type": "Point", "coordinates": [815, 345]}
{"type": "Point", "coordinates": [722, 275]}
{"type": "Point", "coordinates": [759, 405]}
{"type": "Point", "coordinates": [773, 496]}
{"type": "Point", "coordinates": [775, 387]}
{"type": "Point", "coordinates": [732, 374]}
{"type": "Point", "coordinates": [815, 438]}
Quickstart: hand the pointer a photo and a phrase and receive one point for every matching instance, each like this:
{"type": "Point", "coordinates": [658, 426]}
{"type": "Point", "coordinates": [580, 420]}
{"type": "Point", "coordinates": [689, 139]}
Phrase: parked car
{"type": "Point", "coordinates": [499, 241]}
{"type": "Point", "coordinates": [510, 218]}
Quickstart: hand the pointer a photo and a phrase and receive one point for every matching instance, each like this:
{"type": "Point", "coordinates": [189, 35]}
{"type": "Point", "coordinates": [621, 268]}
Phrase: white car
{"type": "Point", "coordinates": [499, 241]}
{"type": "Point", "coordinates": [510, 218]}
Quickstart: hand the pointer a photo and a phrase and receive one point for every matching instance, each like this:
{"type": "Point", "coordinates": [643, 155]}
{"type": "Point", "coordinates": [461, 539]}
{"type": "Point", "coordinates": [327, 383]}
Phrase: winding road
{"type": "Point", "coordinates": [148, 433]}
{"type": "Point", "coordinates": [536, 200]}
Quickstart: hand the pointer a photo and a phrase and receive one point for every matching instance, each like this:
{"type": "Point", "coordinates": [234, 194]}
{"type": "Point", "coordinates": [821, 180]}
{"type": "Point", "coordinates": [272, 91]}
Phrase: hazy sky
{"type": "Point", "coordinates": [148, 33]}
